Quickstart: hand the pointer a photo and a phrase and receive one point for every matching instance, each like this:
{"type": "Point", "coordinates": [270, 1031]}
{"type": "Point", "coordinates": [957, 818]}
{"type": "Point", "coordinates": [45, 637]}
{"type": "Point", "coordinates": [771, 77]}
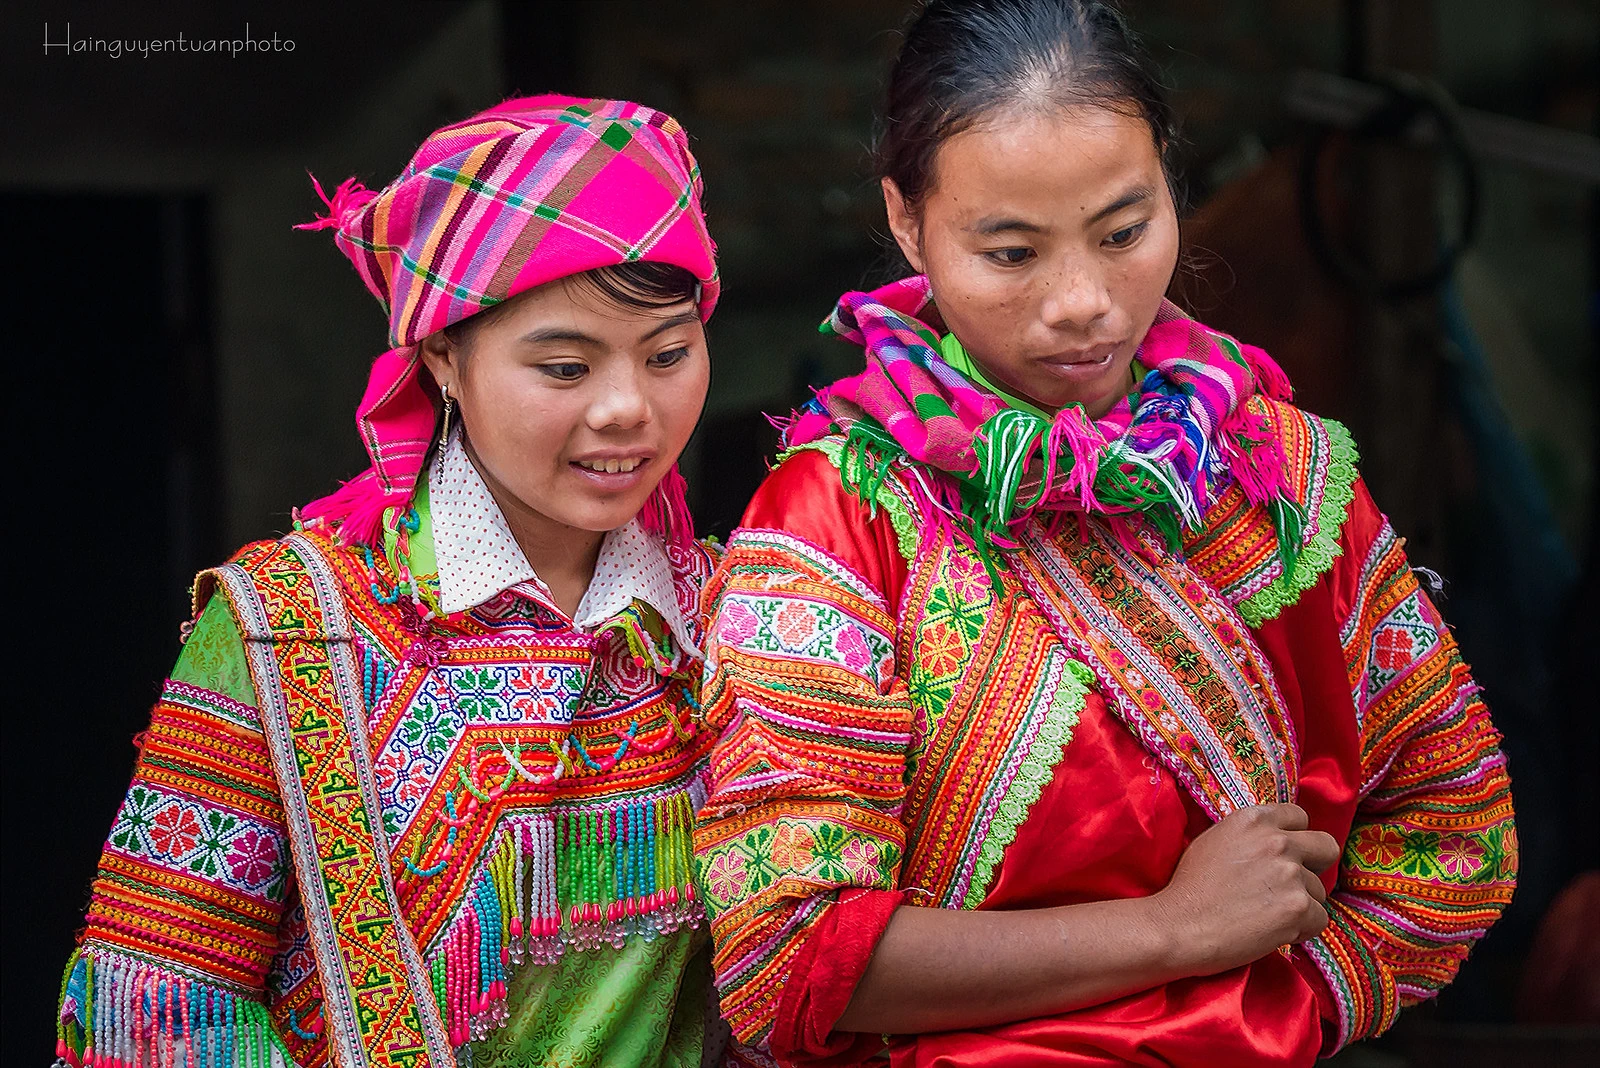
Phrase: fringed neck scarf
{"type": "Point", "coordinates": [1162, 455]}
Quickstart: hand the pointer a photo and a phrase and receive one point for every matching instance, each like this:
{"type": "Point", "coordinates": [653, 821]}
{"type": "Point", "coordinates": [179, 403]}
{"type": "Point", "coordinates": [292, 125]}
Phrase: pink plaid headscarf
{"type": "Point", "coordinates": [532, 190]}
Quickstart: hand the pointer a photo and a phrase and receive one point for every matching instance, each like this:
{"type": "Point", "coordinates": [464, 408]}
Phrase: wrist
{"type": "Point", "coordinates": [1169, 933]}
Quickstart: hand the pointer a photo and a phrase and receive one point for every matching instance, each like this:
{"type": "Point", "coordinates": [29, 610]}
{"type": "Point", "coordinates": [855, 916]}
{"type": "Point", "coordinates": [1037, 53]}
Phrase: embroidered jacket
{"type": "Point", "coordinates": [900, 725]}
{"type": "Point", "coordinates": [533, 777]}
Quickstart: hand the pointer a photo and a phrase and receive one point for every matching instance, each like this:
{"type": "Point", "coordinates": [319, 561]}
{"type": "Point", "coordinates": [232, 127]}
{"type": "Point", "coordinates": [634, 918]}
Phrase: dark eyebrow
{"type": "Point", "coordinates": [681, 319]}
{"type": "Point", "coordinates": [1126, 200]}
{"type": "Point", "coordinates": [1001, 224]}
{"type": "Point", "coordinates": [556, 333]}
{"type": "Point", "coordinates": [578, 337]}
{"type": "Point", "coordinates": [1004, 224]}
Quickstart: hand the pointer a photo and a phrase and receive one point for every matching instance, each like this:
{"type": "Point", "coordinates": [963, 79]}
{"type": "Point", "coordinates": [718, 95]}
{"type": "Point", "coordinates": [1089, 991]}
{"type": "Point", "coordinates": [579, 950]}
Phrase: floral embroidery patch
{"type": "Point", "coordinates": [789, 626]}
{"type": "Point", "coordinates": [1408, 634]}
{"type": "Point", "coordinates": [181, 835]}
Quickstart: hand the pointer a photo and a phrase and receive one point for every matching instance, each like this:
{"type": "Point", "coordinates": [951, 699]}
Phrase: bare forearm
{"type": "Point", "coordinates": [941, 969]}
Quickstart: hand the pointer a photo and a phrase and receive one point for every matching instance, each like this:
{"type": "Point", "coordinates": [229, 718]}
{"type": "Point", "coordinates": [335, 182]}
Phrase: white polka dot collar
{"type": "Point", "coordinates": [479, 559]}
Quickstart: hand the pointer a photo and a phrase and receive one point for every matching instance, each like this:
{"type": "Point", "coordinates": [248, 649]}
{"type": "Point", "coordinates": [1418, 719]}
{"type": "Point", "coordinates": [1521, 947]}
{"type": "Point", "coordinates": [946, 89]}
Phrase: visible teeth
{"type": "Point", "coordinates": [610, 467]}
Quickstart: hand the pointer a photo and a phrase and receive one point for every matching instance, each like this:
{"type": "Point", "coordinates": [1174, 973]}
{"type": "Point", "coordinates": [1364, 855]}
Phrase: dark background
{"type": "Point", "coordinates": [188, 364]}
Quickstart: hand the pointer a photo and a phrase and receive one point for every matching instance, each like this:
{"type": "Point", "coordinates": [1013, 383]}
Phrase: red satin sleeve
{"type": "Point", "coordinates": [805, 494]}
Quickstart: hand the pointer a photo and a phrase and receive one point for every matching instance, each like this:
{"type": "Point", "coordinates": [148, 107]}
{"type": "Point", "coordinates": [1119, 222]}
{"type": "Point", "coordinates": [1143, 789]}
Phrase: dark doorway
{"type": "Point", "coordinates": [117, 505]}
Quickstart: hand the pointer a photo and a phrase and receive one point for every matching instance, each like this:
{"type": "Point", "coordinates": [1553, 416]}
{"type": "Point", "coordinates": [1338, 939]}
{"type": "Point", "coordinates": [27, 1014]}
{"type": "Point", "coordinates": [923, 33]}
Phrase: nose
{"type": "Point", "coordinates": [620, 402]}
{"type": "Point", "coordinates": [1077, 298]}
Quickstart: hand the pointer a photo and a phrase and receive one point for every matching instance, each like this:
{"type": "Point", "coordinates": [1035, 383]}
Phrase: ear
{"type": "Point", "coordinates": [905, 224]}
{"type": "Point", "coordinates": [442, 359]}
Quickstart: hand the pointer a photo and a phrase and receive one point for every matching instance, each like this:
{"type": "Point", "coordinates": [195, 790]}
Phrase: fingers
{"type": "Point", "coordinates": [1288, 817]}
{"type": "Point", "coordinates": [1314, 886]}
{"type": "Point", "coordinates": [1316, 919]}
{"type": "Point", "coordinates": [1317, 850]}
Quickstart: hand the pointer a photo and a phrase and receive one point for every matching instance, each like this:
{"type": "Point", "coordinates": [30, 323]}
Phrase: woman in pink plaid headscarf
{"type": "Point", "coordinates": [421, 785]}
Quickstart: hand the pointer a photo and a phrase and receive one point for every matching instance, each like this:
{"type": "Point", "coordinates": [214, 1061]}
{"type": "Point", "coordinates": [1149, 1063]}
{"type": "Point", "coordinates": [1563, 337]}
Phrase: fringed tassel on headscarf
{"type": "Point", "coordinates": [356, 509]}
{"type": "Point", "coordinates": [666, 513]}
{"type": "Point", "coordinates": [350, 197]}
{"type": "Point", "coordinates": [1006, 445]}
{"type": "Point", "coordinates": [1074, 438]}
{"type": "Point", "coordinates": [808, 423]}
{"type": "Point", "coordinates": [864, 463]}
{"type": "Point", "coordinates": [1269, 376]}
{"type": "Point", "coordinates": [1289, 520]}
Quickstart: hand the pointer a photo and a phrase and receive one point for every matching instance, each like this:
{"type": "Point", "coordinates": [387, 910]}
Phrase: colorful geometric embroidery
{"type": "Point", "coordinates": [530, 804]}
{"type": "Point", "coordinates": [201, 840]}
{"type": "Point", "coordinates": [995, 699]}
{"type": "Point", "coordinates": [1176, 662]}
{"type": "Point", "coordinates": [1409, 633]}
{"type": "Point", "coordinates": [833, 775]}
{"type": "Point", "coordinates": [548, 781]}
{"type": "Point", "coordinates": [1428, 865]}
{"type": "Point", "coordinates": [294, 963]}
{"type": "Point", "coordinates": [1237, 551]}
{"type": "Point", "coordinates": [1431, 859]}
{"type": "Point", "coordinates": [292, 616]}
{"type": "Point", "coordinates": [183, 917]}
{"type": "Point", "coordinates": [807, 765]}
{"type": "Point", "coordinates": [807, 630]}
{"type": "Point", "coordinates": [816, 725]}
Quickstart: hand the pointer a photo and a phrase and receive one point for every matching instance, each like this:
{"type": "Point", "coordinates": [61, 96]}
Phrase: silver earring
{"type": "Point", "coordinates": [444, 429]}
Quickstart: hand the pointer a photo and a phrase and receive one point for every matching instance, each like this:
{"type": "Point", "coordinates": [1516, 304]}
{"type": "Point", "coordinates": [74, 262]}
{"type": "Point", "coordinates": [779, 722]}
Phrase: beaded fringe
{"type": "Point", "coordinates": [559, 881]}
{"type": "Point", "coordinates": [567, 880]}
{"type": "Point", "coordinates": [118, 1011]}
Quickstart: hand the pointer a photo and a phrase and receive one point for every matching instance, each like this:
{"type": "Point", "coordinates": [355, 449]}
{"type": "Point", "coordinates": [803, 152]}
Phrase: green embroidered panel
{"type": "Point", "coordinates": [214, 658]}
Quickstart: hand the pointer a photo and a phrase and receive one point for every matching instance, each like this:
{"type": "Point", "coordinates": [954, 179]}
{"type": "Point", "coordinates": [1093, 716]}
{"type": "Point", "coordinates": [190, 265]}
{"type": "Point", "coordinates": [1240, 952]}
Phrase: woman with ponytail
{"type": "Point", "coordinates": [420, 789]}
{"type": "Point", "coordinates": [1078, 705]}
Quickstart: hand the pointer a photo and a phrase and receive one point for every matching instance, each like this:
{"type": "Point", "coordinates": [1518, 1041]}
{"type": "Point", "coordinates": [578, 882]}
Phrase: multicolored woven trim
{"type": "Point", "coordinates": [299, 639]}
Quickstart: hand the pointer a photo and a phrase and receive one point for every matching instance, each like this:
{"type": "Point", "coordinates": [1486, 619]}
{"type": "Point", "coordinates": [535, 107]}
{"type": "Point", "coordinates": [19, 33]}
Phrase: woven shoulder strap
{"type": "Point", "coordinates": [292, 615]}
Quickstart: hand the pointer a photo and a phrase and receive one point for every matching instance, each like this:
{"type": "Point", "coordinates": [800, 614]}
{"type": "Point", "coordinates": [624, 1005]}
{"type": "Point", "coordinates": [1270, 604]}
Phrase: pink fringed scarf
{"type": "Point", "coordinates": [1164, 455]}
{"type": "Point", "coordinates": [525, 193]}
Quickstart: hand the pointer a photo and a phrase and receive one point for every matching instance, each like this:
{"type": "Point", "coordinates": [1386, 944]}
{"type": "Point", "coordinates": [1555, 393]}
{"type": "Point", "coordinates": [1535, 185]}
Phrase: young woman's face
{"type": "Point", "coordinates": [573, 406]}
{"type": "Point", "coordinates": [1049, 239]}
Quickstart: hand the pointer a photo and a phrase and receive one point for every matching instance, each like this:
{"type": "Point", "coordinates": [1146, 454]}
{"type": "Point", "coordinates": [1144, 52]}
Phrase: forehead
{"type": "Point", "coordinates": [573, 304]}
{"type": "Point", "coordinates": [1043, 161]}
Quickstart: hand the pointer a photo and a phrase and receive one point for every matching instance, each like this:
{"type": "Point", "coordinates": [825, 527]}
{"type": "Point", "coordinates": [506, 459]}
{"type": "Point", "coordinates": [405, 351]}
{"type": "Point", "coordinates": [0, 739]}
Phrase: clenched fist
{"type": "Point", "coordinates": [1247, 886]}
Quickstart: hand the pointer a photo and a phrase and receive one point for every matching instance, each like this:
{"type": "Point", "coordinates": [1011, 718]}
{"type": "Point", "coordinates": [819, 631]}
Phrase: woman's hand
{"type": "Point", "coordinates": [1241, 890]}
{"type": "Point", "coordinates": [1245, 887]}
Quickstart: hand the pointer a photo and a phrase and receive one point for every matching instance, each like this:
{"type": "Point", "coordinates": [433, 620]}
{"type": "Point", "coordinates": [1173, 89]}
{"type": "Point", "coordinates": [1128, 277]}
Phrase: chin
{"type": "Point", "coordinates": [603, 518]}
{"type": "Point", "coordinates": [1103, 392]}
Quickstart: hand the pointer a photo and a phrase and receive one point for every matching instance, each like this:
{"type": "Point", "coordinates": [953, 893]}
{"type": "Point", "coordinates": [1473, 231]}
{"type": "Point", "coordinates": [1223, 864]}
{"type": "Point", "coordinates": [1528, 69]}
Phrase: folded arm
{"type": "Point", "coordinates": [799, 845]}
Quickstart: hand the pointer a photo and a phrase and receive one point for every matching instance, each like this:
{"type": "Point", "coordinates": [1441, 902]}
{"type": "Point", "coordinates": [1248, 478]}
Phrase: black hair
{"type": "Point", "coordinates": [962, 59]}
{"type": "Point", "coordinates": [641, 285]}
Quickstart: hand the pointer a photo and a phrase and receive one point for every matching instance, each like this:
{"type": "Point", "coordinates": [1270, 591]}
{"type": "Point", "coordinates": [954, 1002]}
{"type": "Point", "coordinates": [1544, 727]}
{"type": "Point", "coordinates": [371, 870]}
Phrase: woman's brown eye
{"type": "Point", "coordinates": [566, 372]}
{"type": "Point", "coordinates": [667, 359]}
{"type": "Point", "coordinates": [1126, 236]}
{"type": "Point", "coordinates": [1012, 256]}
